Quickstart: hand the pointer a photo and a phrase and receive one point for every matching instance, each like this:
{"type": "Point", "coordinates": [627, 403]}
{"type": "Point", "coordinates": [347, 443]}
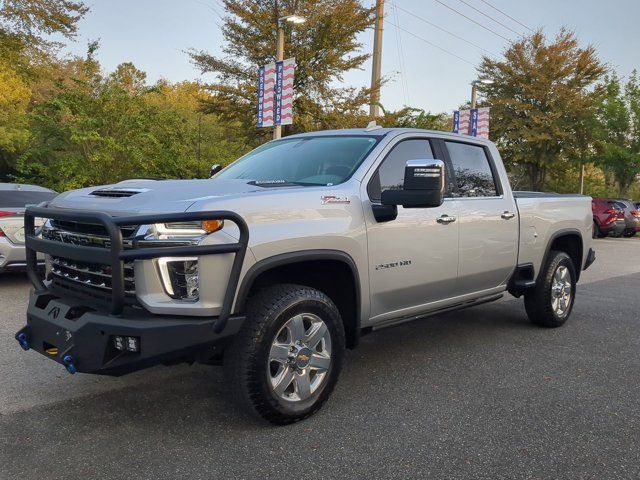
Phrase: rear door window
{"type": "Point", "coordinates": [472, 170]}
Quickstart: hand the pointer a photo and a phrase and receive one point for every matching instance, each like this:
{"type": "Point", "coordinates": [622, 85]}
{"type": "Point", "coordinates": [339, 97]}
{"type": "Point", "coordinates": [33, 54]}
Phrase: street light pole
{"type": "Point", "coordinates": [474, 89]}
{"type": "Point", "coordinates": [474, 94]}
{"type": "Point", "coordinates": [277, 129]}
{"type": "Point", "coordinates": [295, 19]}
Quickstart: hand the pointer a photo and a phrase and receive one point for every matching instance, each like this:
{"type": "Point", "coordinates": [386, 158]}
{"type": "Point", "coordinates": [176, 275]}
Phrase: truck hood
{"type": "Point", "coordinates": [154, 196]}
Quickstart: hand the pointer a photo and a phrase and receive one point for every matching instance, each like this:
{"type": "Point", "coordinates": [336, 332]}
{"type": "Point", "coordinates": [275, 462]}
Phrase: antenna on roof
{"type": "Point", "coordinates": [372, 126]}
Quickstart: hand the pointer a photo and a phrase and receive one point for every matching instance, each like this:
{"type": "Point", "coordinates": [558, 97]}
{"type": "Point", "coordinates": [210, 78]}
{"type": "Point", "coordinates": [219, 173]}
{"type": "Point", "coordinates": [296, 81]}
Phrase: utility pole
{"type": "Point", "coordinates": [376, 68]}
{"type": "Point", "coordinates": [199, 142]}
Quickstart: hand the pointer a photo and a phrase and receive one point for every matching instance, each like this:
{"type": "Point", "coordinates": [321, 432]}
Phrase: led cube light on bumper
{"type": "Point", "coordinates": [126, 343]}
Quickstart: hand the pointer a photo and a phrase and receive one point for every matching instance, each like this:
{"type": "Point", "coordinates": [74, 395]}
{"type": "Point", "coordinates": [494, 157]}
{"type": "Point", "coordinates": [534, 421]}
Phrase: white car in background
{"type": "Point", "coordinates": [13, 200]}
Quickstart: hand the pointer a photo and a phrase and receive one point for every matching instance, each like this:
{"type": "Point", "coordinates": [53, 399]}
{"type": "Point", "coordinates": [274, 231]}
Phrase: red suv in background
{"type": "Point", "coordinates": [608, 218]}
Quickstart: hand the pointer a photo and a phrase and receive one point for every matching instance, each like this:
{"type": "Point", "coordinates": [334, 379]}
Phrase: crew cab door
{"type": "Point", "coordinates": [413, 260]}
{"type": "Point", "coordinates": [487, 219]}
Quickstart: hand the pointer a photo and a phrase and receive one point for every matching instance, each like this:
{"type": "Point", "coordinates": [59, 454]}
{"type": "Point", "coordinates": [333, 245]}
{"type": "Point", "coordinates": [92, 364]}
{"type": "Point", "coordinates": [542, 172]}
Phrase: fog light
{"type": "Point", "coordinates": [129, 344]}
{"type": "Point", "coordinates": [133, 344]}
{"type": "Point", "coordinates": [118, 342]}
{"type": "Point", "coordinates": [180, 277]}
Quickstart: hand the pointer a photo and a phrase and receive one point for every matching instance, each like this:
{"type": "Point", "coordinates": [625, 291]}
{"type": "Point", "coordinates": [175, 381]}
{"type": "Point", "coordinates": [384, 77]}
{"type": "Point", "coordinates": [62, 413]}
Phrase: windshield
{"type": "Point", "coordinates": [302, 161]}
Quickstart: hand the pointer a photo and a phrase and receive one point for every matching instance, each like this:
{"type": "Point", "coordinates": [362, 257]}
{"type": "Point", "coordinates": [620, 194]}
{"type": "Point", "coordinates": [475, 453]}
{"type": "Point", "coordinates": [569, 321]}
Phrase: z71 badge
{"type": "Point", "coordinates": [400, 263]}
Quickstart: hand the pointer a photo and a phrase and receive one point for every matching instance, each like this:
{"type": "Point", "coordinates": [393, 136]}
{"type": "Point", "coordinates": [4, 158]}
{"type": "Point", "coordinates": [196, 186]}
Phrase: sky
{"type": "Point", "coordinates": [156, 34]}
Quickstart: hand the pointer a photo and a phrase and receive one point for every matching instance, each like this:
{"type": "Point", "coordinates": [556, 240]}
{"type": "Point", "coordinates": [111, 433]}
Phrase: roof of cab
{"type": "Point", "coordinates": [383, 131]}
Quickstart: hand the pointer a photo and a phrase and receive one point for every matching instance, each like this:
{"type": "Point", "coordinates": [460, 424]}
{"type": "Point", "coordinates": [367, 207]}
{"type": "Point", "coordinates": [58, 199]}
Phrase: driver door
{"type": "Point", "coordinates": [413, 260]}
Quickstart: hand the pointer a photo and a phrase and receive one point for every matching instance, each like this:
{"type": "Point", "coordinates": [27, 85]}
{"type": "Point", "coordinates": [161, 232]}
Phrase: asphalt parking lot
{"type": "Point", "coordinates": [479, 393]}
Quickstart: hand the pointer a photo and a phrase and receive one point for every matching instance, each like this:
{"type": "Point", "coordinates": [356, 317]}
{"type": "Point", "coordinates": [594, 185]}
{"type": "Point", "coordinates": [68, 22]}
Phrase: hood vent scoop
{"type": "Point", "coordinates": [118, 192]}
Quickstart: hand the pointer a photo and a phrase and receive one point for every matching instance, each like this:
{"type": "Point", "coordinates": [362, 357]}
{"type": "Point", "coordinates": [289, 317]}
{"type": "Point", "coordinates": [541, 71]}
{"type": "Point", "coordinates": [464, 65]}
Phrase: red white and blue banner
{"type": "Point", "coordinates": [474, 122]}
{"type": "Point", "coordinates": [275, 93]}
{"type": "Point", "coordinates": [482, 129]}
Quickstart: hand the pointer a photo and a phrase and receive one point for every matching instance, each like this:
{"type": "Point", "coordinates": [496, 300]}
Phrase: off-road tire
{"type": "Point", "coordinates": [538, 301]}
{"type": "Point", "coordinates": [246, 359]}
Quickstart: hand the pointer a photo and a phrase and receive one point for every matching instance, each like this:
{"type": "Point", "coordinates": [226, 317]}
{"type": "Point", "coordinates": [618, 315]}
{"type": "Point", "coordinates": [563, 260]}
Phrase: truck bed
{"type": "Point", "coordinates": [543, 216]}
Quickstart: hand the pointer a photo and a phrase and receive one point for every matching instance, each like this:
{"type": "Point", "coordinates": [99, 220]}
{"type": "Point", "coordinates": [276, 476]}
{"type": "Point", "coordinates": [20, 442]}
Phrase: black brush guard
{"type": "Point", "coordinates": [115, 255]}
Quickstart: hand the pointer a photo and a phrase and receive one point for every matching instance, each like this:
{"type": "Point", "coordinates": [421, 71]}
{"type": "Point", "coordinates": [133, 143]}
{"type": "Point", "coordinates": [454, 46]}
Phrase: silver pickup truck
{"type": "Point", "coordinates": [286, 257]}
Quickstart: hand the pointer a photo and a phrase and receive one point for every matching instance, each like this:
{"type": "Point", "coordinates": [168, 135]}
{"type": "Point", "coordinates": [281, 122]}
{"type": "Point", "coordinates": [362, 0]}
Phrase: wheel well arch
{"type": "Point", "coordinates": [332, 272]}
{"type": "Point", "coordinates": [570, 242]}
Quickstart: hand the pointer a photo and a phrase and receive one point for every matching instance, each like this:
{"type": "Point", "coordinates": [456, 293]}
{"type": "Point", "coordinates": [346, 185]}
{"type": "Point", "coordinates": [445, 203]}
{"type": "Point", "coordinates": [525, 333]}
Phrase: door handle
{"type": "Point", "coordinates": [507, 215]}
{"type": "Point", "coordinates": [446, 219]}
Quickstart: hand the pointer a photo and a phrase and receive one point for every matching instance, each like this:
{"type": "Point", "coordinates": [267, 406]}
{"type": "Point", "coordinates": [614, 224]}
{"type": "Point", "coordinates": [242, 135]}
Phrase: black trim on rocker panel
{"type": "Point", "coordinates": [267, 264]}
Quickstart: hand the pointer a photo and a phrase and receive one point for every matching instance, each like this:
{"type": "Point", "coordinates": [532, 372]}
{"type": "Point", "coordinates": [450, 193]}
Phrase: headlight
{"type": "Point", "coordinates": [179, 274]}
{"type": "Point", "coordinates": [180, 230]}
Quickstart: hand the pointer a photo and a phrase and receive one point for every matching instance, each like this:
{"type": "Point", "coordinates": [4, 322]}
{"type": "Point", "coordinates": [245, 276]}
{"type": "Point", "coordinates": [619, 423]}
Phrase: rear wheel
{"type": "Point", "coordinates": [550, 303]}
{"type": "Point", "coordinates": [285, 361]}
{"type": "Point", "coordinates": [630, 233]}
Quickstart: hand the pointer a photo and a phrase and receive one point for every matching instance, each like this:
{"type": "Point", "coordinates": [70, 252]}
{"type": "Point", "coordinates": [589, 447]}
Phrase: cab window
{"type": "Point", "coordinates": [390, 174]}
{"type": "Point", "coordinates": [473, 174]}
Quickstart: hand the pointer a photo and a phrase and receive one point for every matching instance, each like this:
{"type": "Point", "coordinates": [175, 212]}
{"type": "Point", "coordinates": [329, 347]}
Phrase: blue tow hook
{"type": "Point", "coordinates": [69, 365]}
{"type": "Point", "coordinates": [23, 341]}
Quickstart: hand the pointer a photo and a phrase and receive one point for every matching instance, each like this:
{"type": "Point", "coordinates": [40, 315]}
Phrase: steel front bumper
{"type": "Point", "coordinates": [83, 340]}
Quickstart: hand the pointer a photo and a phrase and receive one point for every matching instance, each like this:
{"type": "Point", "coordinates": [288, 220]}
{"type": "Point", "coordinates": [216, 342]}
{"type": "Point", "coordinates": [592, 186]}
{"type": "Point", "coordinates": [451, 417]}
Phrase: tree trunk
{"type": "Point", "coordinates": [536, 177]}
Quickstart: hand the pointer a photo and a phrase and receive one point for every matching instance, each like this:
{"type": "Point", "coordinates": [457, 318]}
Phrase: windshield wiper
{"type": "Point", "coordinates": [283, 183]}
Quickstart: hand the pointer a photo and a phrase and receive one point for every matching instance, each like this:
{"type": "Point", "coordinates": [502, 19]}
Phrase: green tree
{"type": "Point", "coordinates": [618, 146]}
{"type": "Point", "coordinates": [325, 47]}
{"type": "Point", "coordinates": [97, 129]}
{"type": "Point", "coordinates": [409, 117]}
{"type": "Point", "coordinates": [14, 101]}
{"type": "Point", "coordinates": [27, 57]}
{"type": "Point", "coordinates": [543, 102]}
{"type": "Point", "coordinates": [32, 22]}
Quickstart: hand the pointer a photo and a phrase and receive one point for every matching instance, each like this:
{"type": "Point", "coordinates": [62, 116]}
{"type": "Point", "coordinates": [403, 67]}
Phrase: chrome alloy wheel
{"type": "Point", "coordinates": [561, 291]}
{"type": "Point", "coordinates": [300, 357]}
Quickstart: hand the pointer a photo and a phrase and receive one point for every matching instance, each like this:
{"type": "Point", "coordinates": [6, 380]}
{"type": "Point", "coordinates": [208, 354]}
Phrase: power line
{"type": "Point", "coordinates": [507, 15]}
{"type": "Point", "coordinates": [431, 43]}
{"type": "Point", "coordinates": [403, 68]}
{"type": "Point", "coordinates": [490, 17]}
{"type": "Point", "coordinates": [212, 8]}
{"type": "Point", "coordinates": [472, 20]}
{"type": "Point", "coordinates": [445, 30]}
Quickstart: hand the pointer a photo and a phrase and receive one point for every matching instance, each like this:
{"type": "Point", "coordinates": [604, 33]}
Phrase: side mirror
{"type": "Point", "coordinates": [423, 186]}
{"type": "Point", "coordinates": [215, 168]}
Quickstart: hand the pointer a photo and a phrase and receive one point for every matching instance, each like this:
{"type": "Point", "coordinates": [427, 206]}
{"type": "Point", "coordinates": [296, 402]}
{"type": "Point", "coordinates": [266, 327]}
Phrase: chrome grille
{"type": "Point", "coordinates": [89, 229]}
{"type": "Point", "coordinates": [93, 279]}
{"type": "Point", "coordinates": [91, 275]}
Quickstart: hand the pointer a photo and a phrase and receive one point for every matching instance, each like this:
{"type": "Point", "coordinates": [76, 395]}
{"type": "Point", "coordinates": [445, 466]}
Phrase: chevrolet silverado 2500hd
{"type": "Point", "coordinates": [287, 256]}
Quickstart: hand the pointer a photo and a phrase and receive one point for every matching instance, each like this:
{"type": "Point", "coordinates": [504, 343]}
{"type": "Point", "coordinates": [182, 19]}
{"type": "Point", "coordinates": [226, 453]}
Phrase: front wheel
{"type": "Point", "coordinates": [550, 303]}
{"type": "Point", "coordinates": [285, 361]}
